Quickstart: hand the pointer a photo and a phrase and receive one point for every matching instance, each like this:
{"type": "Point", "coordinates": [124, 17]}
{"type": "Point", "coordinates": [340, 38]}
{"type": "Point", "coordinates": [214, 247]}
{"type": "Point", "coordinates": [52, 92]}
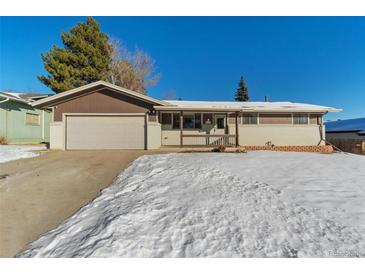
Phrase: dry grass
{"type": "Point", "coordinates": [3, 140]}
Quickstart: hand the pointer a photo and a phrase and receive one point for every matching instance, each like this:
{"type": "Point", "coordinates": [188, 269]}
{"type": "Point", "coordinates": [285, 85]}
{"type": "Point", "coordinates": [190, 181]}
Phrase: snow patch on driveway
{"type": "Point", "coordinates": [14, 152]}
{"type": "Point", "coordinates": [216, 205]}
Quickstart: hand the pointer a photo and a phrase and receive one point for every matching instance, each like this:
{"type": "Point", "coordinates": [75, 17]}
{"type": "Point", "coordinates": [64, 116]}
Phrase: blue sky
{"type": "Point", "coordinates": [318, 60]}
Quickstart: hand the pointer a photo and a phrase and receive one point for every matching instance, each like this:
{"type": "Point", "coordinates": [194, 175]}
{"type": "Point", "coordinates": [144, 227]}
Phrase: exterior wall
{"type": "Point", "coordinates": [57, 135]}
{"type": "Point", "coordinates": [153, 135]}
{"type": "Point", "coordinates": [277, 129]}
{"type": "Point", "coordinates": [279, 135]}
{"type": "Point", "coordinates": [104, 101]}
{"type": "Point", "coordinates": [344, 135]}
{"type": "Point", "coordinates": [273, 118]}
{"type": "Point", "coordinates": [13, 123]}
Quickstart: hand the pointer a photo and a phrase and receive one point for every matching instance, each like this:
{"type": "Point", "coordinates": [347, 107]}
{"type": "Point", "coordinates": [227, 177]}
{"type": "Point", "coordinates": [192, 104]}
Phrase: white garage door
{"type": "Point", "coordinates": [105, 132]}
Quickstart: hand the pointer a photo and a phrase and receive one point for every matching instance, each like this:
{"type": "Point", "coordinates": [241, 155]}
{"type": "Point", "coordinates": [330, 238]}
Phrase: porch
{"type": "Point", "coordinates": [187, 128]}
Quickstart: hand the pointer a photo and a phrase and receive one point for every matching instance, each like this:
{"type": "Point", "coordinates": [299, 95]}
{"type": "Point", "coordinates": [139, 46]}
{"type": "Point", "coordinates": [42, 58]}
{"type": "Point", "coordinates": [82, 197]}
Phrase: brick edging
{"type": "Point", "coordinates": [319, 149]}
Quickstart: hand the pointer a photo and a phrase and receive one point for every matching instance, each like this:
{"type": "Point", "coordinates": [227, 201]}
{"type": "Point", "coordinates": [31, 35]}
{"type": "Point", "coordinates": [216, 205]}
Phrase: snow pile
{"type": "Point", "coordinates": [260, 204]}
{"type": "Point", "coordinates": [13, 152]}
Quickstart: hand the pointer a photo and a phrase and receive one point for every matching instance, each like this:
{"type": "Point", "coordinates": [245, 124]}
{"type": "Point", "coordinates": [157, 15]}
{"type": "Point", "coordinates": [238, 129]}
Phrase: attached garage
{"type": "Point", "coordinates": [105, 131]}
{"type": "Point", "coordinates": [102, 116]}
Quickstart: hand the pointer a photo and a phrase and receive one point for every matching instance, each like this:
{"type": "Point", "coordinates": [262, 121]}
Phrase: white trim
{"type": "Point", "coordinates": [43, 126]}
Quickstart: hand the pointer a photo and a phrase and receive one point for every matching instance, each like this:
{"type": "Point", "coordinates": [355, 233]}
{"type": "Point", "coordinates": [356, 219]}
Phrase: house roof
{"type": "Point", "coordinates": [186, 105]}
{"type": "Point", "coordinates": [54, 99]}
{"type": "Point", "coordinates": [246, 106]}
{"type": "Point", "coordinates": [349, 125]}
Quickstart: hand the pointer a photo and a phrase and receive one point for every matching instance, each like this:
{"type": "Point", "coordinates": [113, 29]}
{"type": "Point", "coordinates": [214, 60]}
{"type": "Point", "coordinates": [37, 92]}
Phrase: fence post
{"type": "Point", "coordinates": [363, 147]}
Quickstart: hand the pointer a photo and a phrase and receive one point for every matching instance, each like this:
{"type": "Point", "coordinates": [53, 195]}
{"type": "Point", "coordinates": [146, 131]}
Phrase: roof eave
{"type": "Point", "coordinates": [180, 108]}
{"type": "Point", "coordinates": [54, 98]}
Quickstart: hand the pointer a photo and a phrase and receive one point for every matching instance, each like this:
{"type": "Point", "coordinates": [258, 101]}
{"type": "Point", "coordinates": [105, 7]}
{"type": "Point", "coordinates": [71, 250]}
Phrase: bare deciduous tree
{"type": "Point", "coordinates": [169, 95]}
{"type": "Point", "coordinates": [132, 70]}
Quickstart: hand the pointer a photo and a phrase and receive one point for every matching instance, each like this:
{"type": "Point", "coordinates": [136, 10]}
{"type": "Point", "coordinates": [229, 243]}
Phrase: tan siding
{"type": "Point", "coordinates": [104, 101]}
{"type": "Point", "coordinates": [275, 118]}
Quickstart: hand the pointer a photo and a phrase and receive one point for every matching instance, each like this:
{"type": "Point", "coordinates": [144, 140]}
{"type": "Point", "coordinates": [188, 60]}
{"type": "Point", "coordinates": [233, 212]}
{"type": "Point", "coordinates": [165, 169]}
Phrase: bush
{"type": "Point", "coordinates": [220, 148]}
{"type": "Point", "coordinates": [3, 140]}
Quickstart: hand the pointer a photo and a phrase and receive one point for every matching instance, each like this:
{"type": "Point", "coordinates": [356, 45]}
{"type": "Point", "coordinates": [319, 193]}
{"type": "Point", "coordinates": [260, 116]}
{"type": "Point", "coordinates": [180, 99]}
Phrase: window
{"type": "Point", "coordinates": [192, 120]}
{"type": "Point", "coordinates": [207, 118]}
{"type": "Point", "coordinates": [166, 118]}
{"type": "Point", "coordinates": [32, 119]}
{"type": "Point", "coordinates": [176, 120]}
{"type": "Point", "coordinates": [198, 120]}
{"type": "Point", "coordinates": [249, 118]}
{"type": "Point", "coordinates": [220, 122]}
{"type": "Point", "coordinates": [300, 118]}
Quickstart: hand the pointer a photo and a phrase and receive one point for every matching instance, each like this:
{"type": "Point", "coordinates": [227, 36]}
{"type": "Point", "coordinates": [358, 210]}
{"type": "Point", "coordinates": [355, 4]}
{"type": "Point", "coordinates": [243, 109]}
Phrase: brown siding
{"type": "Point", "coordinates": [104, 101]}
{"type": "Point", "coordinates": [275, 118]}
{"type": "Point", "coordinates": [315, 119]}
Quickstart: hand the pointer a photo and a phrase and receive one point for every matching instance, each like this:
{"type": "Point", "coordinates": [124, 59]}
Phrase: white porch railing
{"type": "Point", "coordinates": [208, 140]}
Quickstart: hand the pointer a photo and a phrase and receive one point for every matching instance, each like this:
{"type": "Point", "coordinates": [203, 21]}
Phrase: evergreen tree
{"type": "Point", "coordinates": [242, 91]}
{"type": "Point", "coordinates": [84, 59]}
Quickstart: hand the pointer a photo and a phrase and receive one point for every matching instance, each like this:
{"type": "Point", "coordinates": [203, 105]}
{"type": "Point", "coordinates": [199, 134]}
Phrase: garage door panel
{"type": "Point", "coordinates": [105, 132]}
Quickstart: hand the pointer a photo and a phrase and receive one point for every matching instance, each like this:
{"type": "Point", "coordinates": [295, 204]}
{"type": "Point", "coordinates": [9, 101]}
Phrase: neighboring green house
{"type": "Point", "coordinates": [20, 123]}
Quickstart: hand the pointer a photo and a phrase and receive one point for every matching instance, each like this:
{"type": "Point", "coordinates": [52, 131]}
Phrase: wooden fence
{"type": "Point", "coordinates": [356, 146]}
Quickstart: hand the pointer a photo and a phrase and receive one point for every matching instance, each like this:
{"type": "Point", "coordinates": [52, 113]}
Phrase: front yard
{"type": "Point", "coordinates": [259, 204]}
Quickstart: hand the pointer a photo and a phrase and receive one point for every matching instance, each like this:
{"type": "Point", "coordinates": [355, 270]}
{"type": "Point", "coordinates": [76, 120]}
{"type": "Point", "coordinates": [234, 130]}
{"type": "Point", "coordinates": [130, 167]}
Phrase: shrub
{"type": "Point", "coordinates": [220, 148]}
{"type": "Point", "coordinates": [3, 140]}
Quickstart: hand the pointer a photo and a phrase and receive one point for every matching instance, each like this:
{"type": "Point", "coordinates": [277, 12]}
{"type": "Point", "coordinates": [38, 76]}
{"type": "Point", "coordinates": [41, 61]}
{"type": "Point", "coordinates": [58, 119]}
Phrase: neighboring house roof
{"type": "Point", "coordinates": [33, 96]}
{"type": "Point", "coordinates": [246, 106]}
{"type": "Point", "coordinates": [22, 97]}
{"type": "Point", "coordinates": [349, 125]}
{"type": "Point", "coordinates": [11, 96]}
{"type": "Point", "coordinates": [54, 99]}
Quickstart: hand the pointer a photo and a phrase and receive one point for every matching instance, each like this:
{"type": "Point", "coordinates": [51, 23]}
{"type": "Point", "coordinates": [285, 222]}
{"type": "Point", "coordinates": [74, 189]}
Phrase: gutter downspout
{"type": "Point", "coordinates": [321, 131]}
{"type": "Point", "coordinates": [43, 125]}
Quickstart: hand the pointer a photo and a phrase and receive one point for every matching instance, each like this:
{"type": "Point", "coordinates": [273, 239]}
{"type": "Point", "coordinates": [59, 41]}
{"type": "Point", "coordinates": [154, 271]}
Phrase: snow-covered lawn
{"type": "Point", "coordinates": [259, 204]}
{"type": "Point", "coordinates": [14, 152]}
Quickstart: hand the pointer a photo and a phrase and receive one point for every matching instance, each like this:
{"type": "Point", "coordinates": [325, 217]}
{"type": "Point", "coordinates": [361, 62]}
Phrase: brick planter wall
{"type": "Point", "coordinates": [319, 149]}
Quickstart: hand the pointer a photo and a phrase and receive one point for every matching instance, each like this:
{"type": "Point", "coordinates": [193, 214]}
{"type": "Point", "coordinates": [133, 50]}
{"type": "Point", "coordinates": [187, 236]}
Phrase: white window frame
{"type": "Point", "coordinates": [34, 115]}
{"type": "Point", "coordinates": [303, 114]}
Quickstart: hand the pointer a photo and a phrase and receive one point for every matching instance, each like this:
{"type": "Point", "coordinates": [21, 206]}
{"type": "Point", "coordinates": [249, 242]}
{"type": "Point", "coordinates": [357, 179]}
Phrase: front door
{"type": "Point", "coordinates": [220, 124]}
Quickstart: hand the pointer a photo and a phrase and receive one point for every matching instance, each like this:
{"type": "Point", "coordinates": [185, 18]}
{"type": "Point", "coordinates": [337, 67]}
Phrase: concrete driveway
{"type": "Point", "coordinates": [39, 193]}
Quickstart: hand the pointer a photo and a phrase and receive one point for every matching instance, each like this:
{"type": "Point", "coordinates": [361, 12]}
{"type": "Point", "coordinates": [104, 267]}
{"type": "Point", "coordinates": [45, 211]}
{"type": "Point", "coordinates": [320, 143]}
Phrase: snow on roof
{"type": "Point", "coordinates": [257, 106]}
{"type": "Point", "coordinates": [357, 125]}
{"type": "Point", "coordinates": [23, 97]}
{"type": "Point", "coordinates": [12, 96]}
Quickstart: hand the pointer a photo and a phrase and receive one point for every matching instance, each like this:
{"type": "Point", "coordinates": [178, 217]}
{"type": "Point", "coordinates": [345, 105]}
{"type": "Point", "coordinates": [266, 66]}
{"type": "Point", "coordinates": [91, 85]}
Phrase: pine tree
{"type": "Point", "coordinates": [84, 59]}
{"type": "Point", "coordinates": [242, 91]}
